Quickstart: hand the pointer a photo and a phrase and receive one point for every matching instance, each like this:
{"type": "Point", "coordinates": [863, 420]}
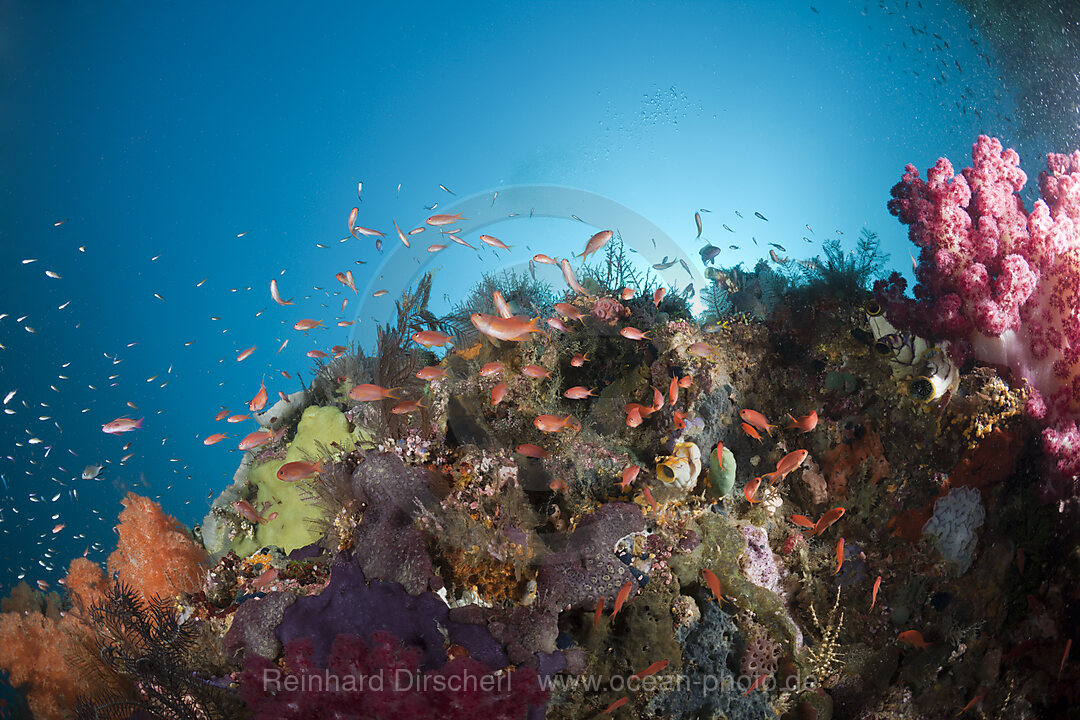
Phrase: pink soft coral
{"type": "Point", "coordinates": [609, 310]}
{"type": "Point", "coordinates": [381, 680]}
{"type": "Point", "coordinates": [1000, 283]}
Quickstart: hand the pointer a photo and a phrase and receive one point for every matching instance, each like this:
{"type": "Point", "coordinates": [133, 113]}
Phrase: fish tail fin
{"type": "Point", "coordinates": [138, 423]}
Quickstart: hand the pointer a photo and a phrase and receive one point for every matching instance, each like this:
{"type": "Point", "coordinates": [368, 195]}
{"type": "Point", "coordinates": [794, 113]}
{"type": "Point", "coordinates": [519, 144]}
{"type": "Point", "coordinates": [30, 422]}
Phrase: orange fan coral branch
{"type": "Point", "coordinates": [155, 555]}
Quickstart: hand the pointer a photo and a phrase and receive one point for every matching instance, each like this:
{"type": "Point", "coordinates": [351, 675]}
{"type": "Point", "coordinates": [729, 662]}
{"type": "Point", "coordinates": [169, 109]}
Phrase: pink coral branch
{"type": "Point", "coordinates": [1000, 283]}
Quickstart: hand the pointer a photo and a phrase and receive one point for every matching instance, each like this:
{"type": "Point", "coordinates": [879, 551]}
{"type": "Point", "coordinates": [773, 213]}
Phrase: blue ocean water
{"type": "Point", "coordinates": [163, 162]}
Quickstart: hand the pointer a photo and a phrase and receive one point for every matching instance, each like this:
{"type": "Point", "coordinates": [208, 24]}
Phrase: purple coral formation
{"type": "Point", "coordinates": [761, 655]}
{"type": "Point", "coordinates": [380, 679]}
{"type": "Point", "coordinates": [393, 546]}
{"type": "Point", "coordinates": [760, 566]}
{"type": "Point", "coordinates": [352, 605]}
{"type": "Point", "coordinates": [586, 567]}
{"type": "Point", "coordinates": [609, 310]}
{"type": "Point", "coordinates": [251, 630]}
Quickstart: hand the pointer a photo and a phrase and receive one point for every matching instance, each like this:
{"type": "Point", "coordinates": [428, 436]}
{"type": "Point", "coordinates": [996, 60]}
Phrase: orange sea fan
{"type": "Point", "coordinates": [40, 653]}
{"type": "Point", "coordinates": [155, 555]}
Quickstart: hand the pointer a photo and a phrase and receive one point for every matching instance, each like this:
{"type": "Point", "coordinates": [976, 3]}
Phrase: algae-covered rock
{"type": "Point", "coordinates": [721, 474]}
{"type": "Point", "coordinates": [320, 428]}
{"type": "Point", "coordinates": [721, 545]}
{"type": "Point", "coordinates": [637, 637]}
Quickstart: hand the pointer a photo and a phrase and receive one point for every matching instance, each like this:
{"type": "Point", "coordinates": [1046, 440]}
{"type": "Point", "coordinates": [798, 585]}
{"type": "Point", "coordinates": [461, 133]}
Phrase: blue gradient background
{"type": "Point", "coordinates": [165, 129]}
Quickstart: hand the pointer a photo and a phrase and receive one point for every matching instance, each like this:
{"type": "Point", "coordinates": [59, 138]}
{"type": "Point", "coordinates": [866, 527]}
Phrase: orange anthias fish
{"type": "Point", "coordinates": [633, 416]}
{"type": "Point", "coordinates": [658, 295]}
{"type": "Point", "coordinates": [535, 371]}
{"type": "Point", "coordinates": [532, 451]}
{"type": "Point", "coordinates": [804, 424]}
{"type": "Point", "coordinates": [874, 592]}
{"type": "Point", "coordinates": [553, 423]}
{"type": "Point", "coordinates": [501, 305]}
{"type": "Point", "coordinates": [298, 470]}
{"type": "Point", "coordinates": [972, 703]}
{"type": "Point", "coordinates": [121, 425]}
{"type": "Point", "coordinates": [236, 418]}
{"type": "Point", "coordinates": [437, 220]}
{"type": "Point", "coordinates": [498, 393]}
{"type": "Point", "coordinates": [598, 613]}
{"type": "Point", "coordinates": [255, 439]}
{"type": "Point", "coordinates": [494, 242]}
{"type": "Point", "coordinates": [632, 333]}
{"type": "Point", "coordinates": [429, 338]}
{"type": "Point", "coordinates": [512, 329]}
{"type": "Point", "coordinates": [627, 293]}
{"type": "Point", "coordinates": [401, 236]}
{"type": "Point", "coordinates": [315, 354]}
{"type": "Point", "coordinates": [629, 475]}
{"type": "Point", "coordinates": [713, 582]}
{"type": "Point", "coordinates": [720, 454]}
{"type": "Point", "coordinates": [307, 324]}
{"type": "Point", "coordinates": [802, 521]}
{"type": "Point", "coordinates": [431, 372]}
{"type": "Point", "coordinates": [571, 279]}
{"type": "Point", "coordinates": [558, 485]}
{"type": "Point", "coordinates": [578, 392]}
{"type": "Point", "coordinates": [616, 705]}
{"type": "Point", "coordinates": [673, 390]}
{"type": "Point", "coordinates": [248, 512]}
{"type": "Point", "coordinates": [751, 489]}
{"type": "Point", "coordinates": [406, 406]}
{"type": "Point", "coordinates": [370, 393]}
{"type": "Point", "coordinates": [259, 401]}
{"type": "Point", "coordinates": [491, 368]}
{"type": "Point", "coordinates": [839, 555]}
{"type": "Point", "coordinates": [680, 419]}
{"type": "Point", "coordinates": [542, 258]}
{"type": "Point", "coordinates": [579, 360]}
{"type": "Point", "coordinates": [749, 430]}
{"type": "Point", "coordinates": [221, 415]}
{"type": "Point", "coordinates": [596, 242]}
{"type": "Point", "coordinates": [913, 638]}
{"type": "Point", "coordinates": [827, 519]}
{"type": "Point", "coordinates": [620, 599]}
{"type": "Point", "coordinates": [651, 670]}
{"type": "Point", "coordinates": [215, 438]}
{"type": "Point", "coordinates": [756, 684]}
{"type": "Point", "coordinates": [568, 310]}
{"type": "Point", "coordinates": [244, 354]}
{"type": "Point", "coordinates": [557, 324]}
{"type": "Point", "coordinates": [686, 381]}
{"type": "Point", "coordinates": [790, 461]}
{"type": "Point", "coordinates": [649, 498]}
{"type": "Point", "coordinates": [756, 419]}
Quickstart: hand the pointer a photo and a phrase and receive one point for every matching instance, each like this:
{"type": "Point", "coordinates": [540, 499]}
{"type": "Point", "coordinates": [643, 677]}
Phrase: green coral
{"type": "Point", "coordinates": [721, 475]}
{"type": "Point", "coordinates": [320, 429]}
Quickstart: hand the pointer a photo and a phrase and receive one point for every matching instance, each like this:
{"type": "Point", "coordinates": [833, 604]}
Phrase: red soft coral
{"type": "Point", "coordinates": [381, 680]}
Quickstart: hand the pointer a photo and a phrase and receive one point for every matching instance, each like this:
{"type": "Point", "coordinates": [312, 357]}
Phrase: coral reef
{"type": "Point", "coordinates": [532, 509]}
